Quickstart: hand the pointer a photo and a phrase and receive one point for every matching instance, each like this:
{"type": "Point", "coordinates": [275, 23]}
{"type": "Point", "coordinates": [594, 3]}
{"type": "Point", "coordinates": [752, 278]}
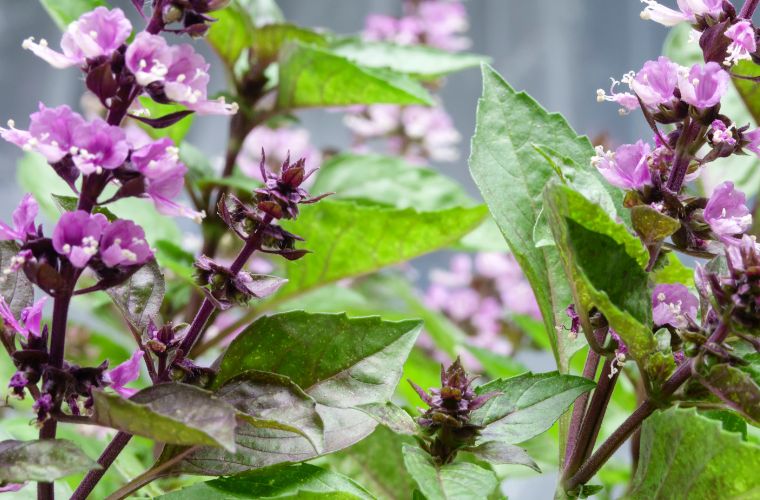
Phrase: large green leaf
{"type": "Point", "coordinates": [455, 481]}
{"type": "Point", "coordinates": [170, 413]}
{"type": "Point", "coordinates": [64, 12]}
{"type": "Point", "coordinates": [15, 287]}
{"type": "Point", "coordinates": [377, 463]}
{"type": "Point", "coordinates": [388, 180]}
{"type": "Point", "coordinates": [341, 362]}
{"type": "Point", "coordinates": [418, 60]}
{"type": "Point", "coordinates": [310, 76]}
{"type": "Point", "coordinates": [288, 481]}
{"type": "Point", "coordinates": [349, 239]}
{"type": "Point", "coordinates": [268, 40]}
{"type": "Point", "coordinates": [43, 460]}
{"type": "Point", "coordinates": [591, 245]}
{"type": "Point", "coordinates": [139, 298]}
{"type": "Point", "coordinates": [684, 455]}
{"type": "Point", "coordinates": [526, 405]}
{"type": "Point", "coordinates": [511, 167]}
{"type": "Point", "coordinates": [231, 34]}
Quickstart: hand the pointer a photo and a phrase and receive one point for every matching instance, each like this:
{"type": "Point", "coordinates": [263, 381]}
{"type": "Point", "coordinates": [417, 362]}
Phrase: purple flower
{"type": "Point", "coordinates": [77, 236]}
{"type": "Point", "coordinates": [673, 305]}
{"type": "Point", "coordinates": [50, 132]}
{"type": "Point", "coordinates": [29, 322]}
{"type": "Point", "coordinates": [575, 320]}
{"type": "Point", "coordinates": [720, 134]}
{"type": "Point", "coordinates": [404, 31]}
{"type": "Point", "coordinates": [164, 174]}
{"type": "Point", "coordinates": [627, 101]}
{"type": "Point", "coordinates": [753, 140]}
{"type": "Point", "coordinates": [688, 10]}
{"type": "Point", "coordinates": [125, 373]}
{"type": "Point", "coordinates": [656, 82]}
{"type": "Point", "coordinates": [627, 167]}
{"type": "Point", "coordinates": [23, 220]}
{"type": "Point", "coordinates": [278, 143]}
{"type": "Point", "coordinates": [123, 244]}
{"type": "Point", "coordinates": [742, 36]}
{"type": "Point", "coordinates": [43, 406]}
{"type": "Point", "coordinates": [179, 72]}
{"type": "Point", "coordinates": [11, 487]}
{"type": "Point", "coordinates": [726, 211]}
{"type": "Point", "coordinates": [95, 34]}
{"type": "Point", "coordinates": [704, 85]}
{"type": "Point", "coordinates": [443, 24]}
{"type": "Point", "coordinates": [432, 130]}
{"type": "Point", "coordinates": [99, 146]}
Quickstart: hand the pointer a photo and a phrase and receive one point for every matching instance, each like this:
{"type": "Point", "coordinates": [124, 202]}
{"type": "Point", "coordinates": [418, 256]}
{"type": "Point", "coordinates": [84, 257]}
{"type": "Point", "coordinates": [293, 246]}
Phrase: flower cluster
{"type": "Point", "coordinates": [417, 133]}
{"type": "Point", "coordinates": [446, 422]}
{"type": "Point", "coordinates": [478, 293]}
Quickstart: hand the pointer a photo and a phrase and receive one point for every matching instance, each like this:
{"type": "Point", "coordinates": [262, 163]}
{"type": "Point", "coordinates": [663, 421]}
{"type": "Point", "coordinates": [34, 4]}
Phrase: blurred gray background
{"type": "Point", "coordinates": [560, 51]}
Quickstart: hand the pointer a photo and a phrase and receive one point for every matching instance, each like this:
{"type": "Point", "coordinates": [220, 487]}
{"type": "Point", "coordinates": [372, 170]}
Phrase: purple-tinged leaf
{"type": "Point", "coordinates": [502, 453]}
{"type": "Point", "coordinates": [15, 287]}
{"type": "Point", "coordinates": [163, 121]}
{"type": "Point", "coordinates": [44, 460]}
{"type": "Point", "coordinates": [735, 388]}
{"type": "Point", "coordinates": [391, 416]}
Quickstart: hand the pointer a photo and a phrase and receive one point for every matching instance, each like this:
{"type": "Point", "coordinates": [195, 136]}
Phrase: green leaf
{"type": "Point", "coordinates": [69, 204]}
{"type": "Point", "coordinates": [231, 34]}
{"type": "Point", "coordinates": [511, 172]}
{"type": "Point", "coordinates": [350, 240]}
{"type": "Point", "coordinates": [730, 421]}
{"type": "Point", "coordinates": [311, 77]}
{"type": "Point", "coordinates": [274, 402]}
{"type": "Point", "coordinates": [170, 413]}
{"type": "Point", "coordinates": [458, 480]}
{"type": "Point", "coordinates": [388, 180]}
{"type": "Point", "coordinates": [377, 463]}
{"type": "Point", "coordinates": [672, 272]}
{"type": "Point", "coordinates": [43, 460]}
{"type": "Point", "coordinates": [418, 60]}
{"type": "Point", "coordinates": [684, 455]}
{"type": "Point", "coordinates": [175, 132]}
{"type": "Point", "coordinates": [64, 12]}
{"type": "Point", "coordinates": [503, 454]}
{"type": "Point", "coordinates": [591, 245]}
{"type": "Point", "coordinates": [289, 481]}
{"type": "Point", "coordinates": [391, 416]}
{"type": "Point", "coordinates": [748, 90]}
{"type": "Point", "coordinates": [735, 388]}
{"type": "Point", "coordinates": [652, 225]}
{"type": "Point", "coordinates": [139, 298]}
{"type": "Point", "coordinates": [526, 405]}
{"type": "Point", "coordinates": [15, 287]}
{"type": "Point", "coordinates": [341, 362]}
{"type": "Point", "coordinates": [267, 41]}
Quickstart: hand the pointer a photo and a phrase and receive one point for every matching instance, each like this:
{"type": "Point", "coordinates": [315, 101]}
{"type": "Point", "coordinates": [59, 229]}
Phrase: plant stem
{"type": "Point", "coordinates": [204, 312]}
{"type": "Point", "coordinates": [629, 426]}
{"type": "Point", "coordinates": [106, 459]}
{"type": "Point", "coordinates": [592, 421]}
{"type": "Point", "coordinates": [748, 9]}
{"type": "Point", "coordinates": [150, 475]}
{"type": "Point", "coordinates": [579, 408]}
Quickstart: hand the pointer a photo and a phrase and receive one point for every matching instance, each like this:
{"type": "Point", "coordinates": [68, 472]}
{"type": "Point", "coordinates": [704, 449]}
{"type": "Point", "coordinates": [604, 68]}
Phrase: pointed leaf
{"type": "Point", "coordinates": [455, 481]}
{"type": "Point", "coordinates": [15, 287]}
{"type": "Point", "coordinates": [267, 41]}
{"type": "Point", "coordinates": [170, 413]}
{"type": "Point", "coordinates": [139, 298]}
{"type": "Point", "coordinates": [312, 77]}
{"type": "Point", "coordinates": [504, 454]}
{"type": "Point", "coordinates": [43, 460]}
{"type": "Point", "coordinates": [684, 455]}
{"type": "Point", "coordinates": [231, 34]}
{"type": "Point", "coordinates": [511, 169]}
{"type": "Point", "coordinates": [391, 416]}
{"type": "Point", "coordinates": [527, 405]}
{"type": "Point", "coordinates": [288, 481]}
{"type": "Point", "coordinates": [652, 225]}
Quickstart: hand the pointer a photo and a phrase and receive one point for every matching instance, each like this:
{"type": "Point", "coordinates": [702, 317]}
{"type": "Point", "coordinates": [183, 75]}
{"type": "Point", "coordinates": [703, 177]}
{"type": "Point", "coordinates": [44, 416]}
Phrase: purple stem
{"type": "Point", "coordinates": [622, 433]}
{"type": "Point", "coordinates": [108, 456]}
{"type": "Point", "coordinates": [748, 9]}
{"type": "Point", "coordinates": [579, 409]}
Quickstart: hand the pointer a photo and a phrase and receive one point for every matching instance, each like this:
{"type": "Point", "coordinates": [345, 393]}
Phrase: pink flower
{"type": "Point", "coordinates": [627, 101]}
{"type": "Point", "coordinates": [125, 373]}
{"type": "Point", "coordinates": [688, 10]}
{"type": "Point", "coordinates": [158, 161]}
{"type": "Point", "coordinates": [77, 236]}
{"type": "Point", "coordinates": [673, 305]}
{"type": "Point", "coordinates": [656, 82]}
{"type": "Point", "coordinates": [30, 320]}
{"type": "Point", "coordinates": [703, 86]}
{"type": "Point", "coordinates": [95, 34]}
{"type": "Point", "coordinates": [123, 244]}
{"type": "Point", "coordinates": [743, 42]}
{"type": "Point", "coordinates": [627, 167]}
{"type": "Point", "coordinates": [753, 138]}
{"type": "Point", "coordinates": [99, 146]}
{"type": "Point", "coordinates": [726, 211]}
{"type": "Point", "coordinates": [443, 24]}
{"type": "Point", "coordinates": [23, 220]}
{"type": "Point", "coordinates": [179, 72]}
{"type": "Point", "coordinates": [51, 132]}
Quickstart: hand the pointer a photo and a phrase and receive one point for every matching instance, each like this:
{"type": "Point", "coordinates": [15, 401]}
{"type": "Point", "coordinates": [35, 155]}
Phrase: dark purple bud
{"type": "Point", "coordinates": [43, 406]}
{"type": "Point", "coordinates": [101, 82]}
